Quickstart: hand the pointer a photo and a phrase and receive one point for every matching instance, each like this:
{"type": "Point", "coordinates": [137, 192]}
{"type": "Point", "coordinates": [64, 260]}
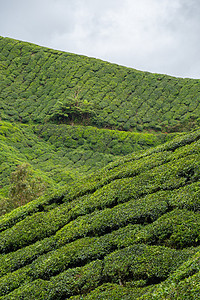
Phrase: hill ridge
{"type": "Point", "coordinates": [122, 97]}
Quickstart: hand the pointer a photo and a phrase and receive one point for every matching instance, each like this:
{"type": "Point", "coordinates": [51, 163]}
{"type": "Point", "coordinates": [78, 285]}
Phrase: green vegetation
{"type": "Point", "coordinates": [60, 153]}
{"type": "Point", "coordinates": [23, 188]}
{"type": "Point", "coordinates": [70, 110]}
{"type": "Point", "coordinates": [134, 224]}
{"type": "Point", "coordinates": [99, 170]}
{"type": "Point", "coordinates": [36, 82]}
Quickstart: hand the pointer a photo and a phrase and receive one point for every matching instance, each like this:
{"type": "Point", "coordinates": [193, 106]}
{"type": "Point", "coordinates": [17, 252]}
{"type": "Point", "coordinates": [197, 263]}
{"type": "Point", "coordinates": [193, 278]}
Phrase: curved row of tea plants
{"type": "Point", "coordinates": [127, 166]}
{"type": "Point", "coordinates": [131, 228]}
{"type": "Point", "coordinates": [61, 153]}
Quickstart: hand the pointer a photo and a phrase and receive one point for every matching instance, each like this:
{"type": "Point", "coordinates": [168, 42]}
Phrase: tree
{"type": "Point", "coordinates": [72, 109]}
{"type": "Point", "coordinates": [24, 187]}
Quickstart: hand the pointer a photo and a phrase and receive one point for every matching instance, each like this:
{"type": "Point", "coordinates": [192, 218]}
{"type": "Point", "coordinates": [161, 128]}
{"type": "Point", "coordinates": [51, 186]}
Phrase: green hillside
{"type": "Point", "coordinates": [132, 228]}
{"type": "Point", "coordinates": [111, 164]}
{"type": "Point", "coordinates": [35, 80]}
{"type": "Point", "coordinates": [61, 153]}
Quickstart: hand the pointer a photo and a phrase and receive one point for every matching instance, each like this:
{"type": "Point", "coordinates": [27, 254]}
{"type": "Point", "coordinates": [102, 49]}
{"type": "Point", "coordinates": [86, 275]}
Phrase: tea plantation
{"type": "Point", "coordinates": [118, 154]}
{"type": "Point", "coordinates": [132, 228]}
{"type": "Point", "coordinates": [36, 81]}
{"type": "Point", "coordinates": [61, 153]}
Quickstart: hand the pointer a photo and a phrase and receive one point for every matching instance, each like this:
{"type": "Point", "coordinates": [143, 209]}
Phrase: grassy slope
{"type": "Point", "coordinates": [61, 153]}
{"type": "Point", "coordinates": [33, 78]}
{"type": "Point", "coordinates": [132, 228]}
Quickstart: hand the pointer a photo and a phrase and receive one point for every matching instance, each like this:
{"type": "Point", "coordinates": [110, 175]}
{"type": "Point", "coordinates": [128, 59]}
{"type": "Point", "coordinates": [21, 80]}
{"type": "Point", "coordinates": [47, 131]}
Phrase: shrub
{"type": "Point", "coordinates": [24, 187]}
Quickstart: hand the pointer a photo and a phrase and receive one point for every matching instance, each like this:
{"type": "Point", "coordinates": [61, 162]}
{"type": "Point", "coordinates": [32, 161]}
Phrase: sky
{"type": "Point", "coordinates": [159, 36]}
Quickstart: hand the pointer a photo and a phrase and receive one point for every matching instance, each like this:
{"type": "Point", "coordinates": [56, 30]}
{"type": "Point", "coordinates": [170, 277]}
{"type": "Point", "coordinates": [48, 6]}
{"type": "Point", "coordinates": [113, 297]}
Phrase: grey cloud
{"type": "Point", "coordinates": [153, 35]}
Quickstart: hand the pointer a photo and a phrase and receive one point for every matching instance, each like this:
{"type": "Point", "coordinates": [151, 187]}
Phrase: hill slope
{"type": "Point", "coordinates": [61, 153]}
{"type": "Point", "coordinates": [120, 218]}
{"type": "Point", "coordinates": [34, 80]}
{"type": "Point", "coordinates": [130, 230]}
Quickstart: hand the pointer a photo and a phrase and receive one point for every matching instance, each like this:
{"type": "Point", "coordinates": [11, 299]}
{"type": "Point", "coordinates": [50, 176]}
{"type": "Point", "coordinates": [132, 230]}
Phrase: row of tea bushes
{"type": "Point", "coordinates": [60, 258]}
{"type": "Point", "coordinates": [181, 284]}
{"type": "Point", "coordinates": [155, 170]}
{"type": "Point", "coordinates": [122, 225]}
{"type": "Point", "coordinates": [179, 229]}
{"type": "Point", "coordinates": [169, 176]}
{"type": "Point", "coordinates": [113, 291]}
{"type": "Point", "coordinates": [150, 264]}
{"type": "Point", "coordinates": [98, 140]}
{"type": "Point", "coordinates": [148, 209]}
{"type": "Point", "coordinates": [176, 287]}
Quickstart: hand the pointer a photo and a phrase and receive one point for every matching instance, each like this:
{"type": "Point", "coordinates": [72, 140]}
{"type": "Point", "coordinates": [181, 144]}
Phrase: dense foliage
{"type": "Point", "coordinates": [35, 80]}
{"type": "Point", "coordinates": [131, 228]}
{"type": "Point", "coordinates": [60, 153]}
{"type": "Point", "coordinates": [108, 214]}
{"type": "Point", "coordinates": [71, 110]}
{"type": "Point", "coordinates": [24, 187]}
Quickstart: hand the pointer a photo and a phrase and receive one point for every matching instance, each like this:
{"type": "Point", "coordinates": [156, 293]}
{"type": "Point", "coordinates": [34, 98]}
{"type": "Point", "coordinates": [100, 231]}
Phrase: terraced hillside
{"type": "Point", "coordinates": [61, 153]}
{"type": "Point", "coordinates": [119, 217]}
{"type": "Point", "coordinates": [128, 231]}
{"type": "Point", "coordinates": [34, 81]}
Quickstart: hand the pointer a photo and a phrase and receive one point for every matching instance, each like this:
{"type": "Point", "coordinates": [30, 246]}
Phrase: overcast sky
{"type": "Point", "coordinates": [159, 36]}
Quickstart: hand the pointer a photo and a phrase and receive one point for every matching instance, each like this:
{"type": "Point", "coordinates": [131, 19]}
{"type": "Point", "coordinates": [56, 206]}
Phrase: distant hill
{"type": "Point", "coordinates": [128, 231]}
{"type": "Point", "coordinates": [33, 79]}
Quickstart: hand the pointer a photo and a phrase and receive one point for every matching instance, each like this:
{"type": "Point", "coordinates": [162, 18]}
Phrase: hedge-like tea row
{"type": "Point", "coordinates": [181, 284]}
{"type": "Point", "coordinates": [185, 289]}
{"type": "Point", "coordinates": [135, 211]}
{"type": "Point", "coordinates": [58, 260]}
{"type": "Point", "coordinates": [179, 229]}
{"type": "Point", "coordinates": [56, 252]}
{"type": "Point", "coordinates": [138, 262]}
{"type": "Point", "coordinates": [113, 291]}
{"type": "Point", "coordinates": [98, 140]}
